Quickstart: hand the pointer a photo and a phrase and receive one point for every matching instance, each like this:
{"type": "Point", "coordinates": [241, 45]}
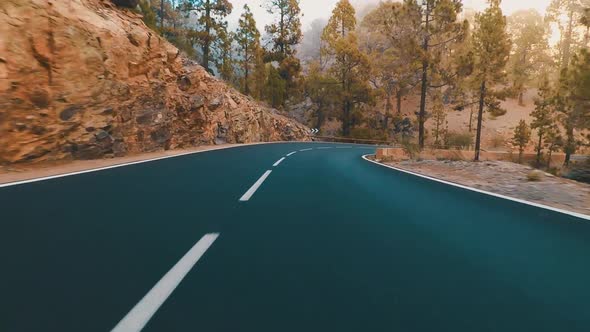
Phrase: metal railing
{"type": "Point", "coordinates": [353, 140]}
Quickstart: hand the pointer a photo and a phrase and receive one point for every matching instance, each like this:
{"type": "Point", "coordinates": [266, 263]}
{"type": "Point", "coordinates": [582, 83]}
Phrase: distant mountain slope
{"type": "Point", "coordinates": [85, 79]}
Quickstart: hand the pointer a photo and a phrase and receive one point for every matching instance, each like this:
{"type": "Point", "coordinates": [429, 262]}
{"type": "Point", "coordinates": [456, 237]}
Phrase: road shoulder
{"type": "Point", "coordinates": [17, 173]}
{"type": "Point", "coordinates": [505, 179]}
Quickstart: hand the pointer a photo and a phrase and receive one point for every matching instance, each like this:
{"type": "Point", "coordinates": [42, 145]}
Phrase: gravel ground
{"type": "Point", "coordinates": [508, 179]}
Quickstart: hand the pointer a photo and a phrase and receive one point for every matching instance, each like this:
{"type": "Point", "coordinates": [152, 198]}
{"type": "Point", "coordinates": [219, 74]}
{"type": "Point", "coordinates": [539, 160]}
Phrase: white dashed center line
{"type": "Point", "coordinates": [254, 187]}
{"type": "Point", "coordinates": [306, 150]}
{"type": "Point", "coordinates": [278, 162]}
{"type": "Point", "coordinates": [139, 316]}
{"type": "Point", "coordinates": [292, 153]}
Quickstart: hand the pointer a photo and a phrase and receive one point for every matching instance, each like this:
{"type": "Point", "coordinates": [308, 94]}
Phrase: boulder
{"type": "Point", "coordinates": [197, 102]}
{"type": "Point", "coordinates": [215, 103]}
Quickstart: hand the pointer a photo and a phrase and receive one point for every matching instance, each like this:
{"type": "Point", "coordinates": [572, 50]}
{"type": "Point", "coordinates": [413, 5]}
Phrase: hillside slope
{"type": "Point", "coordinates": [85, 79]}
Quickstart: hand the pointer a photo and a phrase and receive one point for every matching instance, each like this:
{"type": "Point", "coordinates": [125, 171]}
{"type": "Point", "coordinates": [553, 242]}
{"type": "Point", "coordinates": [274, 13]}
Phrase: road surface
{"type": "Point", "coordinates": [322, 240]}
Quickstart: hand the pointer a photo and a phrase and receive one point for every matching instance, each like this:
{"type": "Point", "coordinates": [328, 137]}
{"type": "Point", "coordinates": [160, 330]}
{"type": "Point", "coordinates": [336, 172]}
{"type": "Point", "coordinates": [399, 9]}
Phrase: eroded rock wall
{"type": "Point", "coordinates": [85, 79]}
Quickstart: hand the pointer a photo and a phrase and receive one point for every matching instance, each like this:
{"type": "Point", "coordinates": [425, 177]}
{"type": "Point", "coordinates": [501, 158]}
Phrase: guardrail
{"type": "Point", "coordinates": [353, 140]}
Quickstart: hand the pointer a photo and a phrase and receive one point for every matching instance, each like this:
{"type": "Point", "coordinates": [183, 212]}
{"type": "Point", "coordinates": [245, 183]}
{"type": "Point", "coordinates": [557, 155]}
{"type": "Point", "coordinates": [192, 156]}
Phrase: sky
{"type": "Point", "coordinates": [313, 9]}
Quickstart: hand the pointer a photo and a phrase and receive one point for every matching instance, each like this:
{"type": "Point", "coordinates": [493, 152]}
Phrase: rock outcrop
{"type": "Point", "coordinates": [86, 79]}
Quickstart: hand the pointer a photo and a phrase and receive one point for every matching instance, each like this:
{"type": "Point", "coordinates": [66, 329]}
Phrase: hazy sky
{"type": "Point", "coordinates": [313, 9]}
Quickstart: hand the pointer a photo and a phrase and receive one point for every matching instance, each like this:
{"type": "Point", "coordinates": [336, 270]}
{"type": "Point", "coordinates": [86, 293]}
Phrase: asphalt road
{"type": "Point", "coordinates": [327, 242]}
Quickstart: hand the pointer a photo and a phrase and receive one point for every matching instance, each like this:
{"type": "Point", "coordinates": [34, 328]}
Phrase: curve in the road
{"type": "Point", "coordinates": [522, 201]}
{"type": "Point", "coordinates": [330, 242]}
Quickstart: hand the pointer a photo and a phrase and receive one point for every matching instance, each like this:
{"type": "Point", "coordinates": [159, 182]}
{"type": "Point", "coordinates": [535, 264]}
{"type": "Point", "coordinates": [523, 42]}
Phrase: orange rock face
{"type": "Point", "coordinates": [84, 79]}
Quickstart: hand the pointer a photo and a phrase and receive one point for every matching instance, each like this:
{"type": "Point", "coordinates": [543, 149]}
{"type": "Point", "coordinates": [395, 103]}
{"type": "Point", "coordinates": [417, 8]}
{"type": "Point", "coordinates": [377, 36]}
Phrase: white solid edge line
{"type": "Point", "coordinates": [8, 184]}
{"type": "Point", "coordinates": [139, 316]}
{"type": "Point", "coordinates": [45, 178]}
{"type": "Point", "coordinates": [246, 197]}
{"type": "Point", "coordinates": [306, 150]}
{"type": "Point", "coordinates": [292, 153]}
{"type": "Point", "coordinates": [518, 200]}
{"type": "Point", "coordinates": [278, 162]}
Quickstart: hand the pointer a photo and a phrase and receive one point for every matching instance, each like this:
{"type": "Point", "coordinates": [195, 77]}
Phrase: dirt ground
{"type": "Point", "coordinates": [508, 179]}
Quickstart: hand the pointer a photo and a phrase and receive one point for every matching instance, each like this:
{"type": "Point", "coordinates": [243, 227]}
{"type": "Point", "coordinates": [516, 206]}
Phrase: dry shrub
{"type": "Point", "coordinates": [534, 176]}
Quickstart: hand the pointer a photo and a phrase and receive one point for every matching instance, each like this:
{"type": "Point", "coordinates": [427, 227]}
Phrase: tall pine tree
{"type": "Point", "coordinates": [225, 61]}
{"type": "Point", "coordinates": [530, 56]}
{"type": "Point", "coordinates": [568, 14]}
{"type": "Point", "coordinates": [211, 16]}
{"type": "Point", "coordinates": [522, 136]}
{"type": "Point", "coordinates": [284, 34]}
{"type": "Point", "coordinates": [438, 29]}
{"type": "Point", "coordinates": [248, 40]}
{"type": "Point", "coordinates": [391, 43]}
{"type": "Point", "coordinates": [349, 65]}
{"type": "Point", "coordinates": [285, 31]}
{"type": "Point", "coordinates": [491, 49]}
{"type": "Point", "coordinates": [543, 116]}
{"type": "Point", "coordinates": [573, 101]}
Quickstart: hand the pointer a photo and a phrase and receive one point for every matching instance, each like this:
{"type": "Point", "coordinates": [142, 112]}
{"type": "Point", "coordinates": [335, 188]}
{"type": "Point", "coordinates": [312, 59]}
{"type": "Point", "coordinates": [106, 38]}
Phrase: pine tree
{"type": "Point", "coordinates": [322, 90]}
{"type": "Point", "coordinates": [522, 136]}
{"type": "Point", "coordinates": [149, 15]}
{"type": "Point", "coordinates": [553, 142]}
{"type": "Point", "coordinates": [285, 34]}
{"type": "Point", "coordinates": [350, 66]}
{"type": "Point", "coordinates": [248, 40]}
{"type": "Point", "coordinates": [225, 61]}
{"type": "Point", "coordinates": [529, 34]}
{"type": "Point", "coordinates": [274, 90]}
{"type": "Point", "coordinates": [390, 41]}
{"type": "Point", "coordinates": [439, 116]}
{"type": "Point", "coordinates": [543, 116]}
{"type": "Point", "coordinates": [573, 101]}
{"type": "Point", "coordinates": [491, 49]}
{"type": "Point", "coordinates": [573, 12]}
{"type": "Point", "coordinates": [210, 23]}
{"type": "Point", "coordinates": [259, 75]}
{"type": "Point", "coordinates": [290, 70]}
{"type": "Point", "coordinates": [438, 30]}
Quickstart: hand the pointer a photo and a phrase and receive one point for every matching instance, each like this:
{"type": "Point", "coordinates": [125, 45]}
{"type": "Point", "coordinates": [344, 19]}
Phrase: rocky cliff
{"type": "Point", "coordinates": [86, 79]}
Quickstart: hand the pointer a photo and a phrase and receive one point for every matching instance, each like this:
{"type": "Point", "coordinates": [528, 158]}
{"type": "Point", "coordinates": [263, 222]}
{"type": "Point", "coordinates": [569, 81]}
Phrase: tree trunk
{"type": "Point", "coordinates": [388, 110]}
{"type": "Point", "coordinates": [570, 145]}
{"type": "Point", "coordinates": [246, 71]}
{"type": "Point", "coordinates": [207, 41]}
{"type": "Point", "coordinates": [399, 103]}
{"type": "Point", "coordinates": [425, 65]}
{"type": "Point", "coordinates": [282, 28]}
{"type": "Point", "coordinates": [422, 113]}
{"type": "Point", "coordinates": [539, 147]}
{"type": "Point", "coordinates": [436, 134]}
{"type": "Point", "coordinates": [549, 157]}
{"type": "Point", "coordinates": [567, 43]}
{"type": "Point", "coordinates": [346, 119]}
{"type": "Point", "coordinates": [320, 117]}
{"type": "Point", "coordinates": [471, 118]}
{"type": "Point", "coordinates": [162, 15]}
{"type": "Point", "coordinates": [388, 105]}
{"type": "Point", "coordinates": [521, 84]}
{"type": "Point", "coordinates": [482, 95]}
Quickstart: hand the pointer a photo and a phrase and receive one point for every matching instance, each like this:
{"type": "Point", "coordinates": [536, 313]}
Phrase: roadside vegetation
{"type": "Point", "coordinates": [355, 73]}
